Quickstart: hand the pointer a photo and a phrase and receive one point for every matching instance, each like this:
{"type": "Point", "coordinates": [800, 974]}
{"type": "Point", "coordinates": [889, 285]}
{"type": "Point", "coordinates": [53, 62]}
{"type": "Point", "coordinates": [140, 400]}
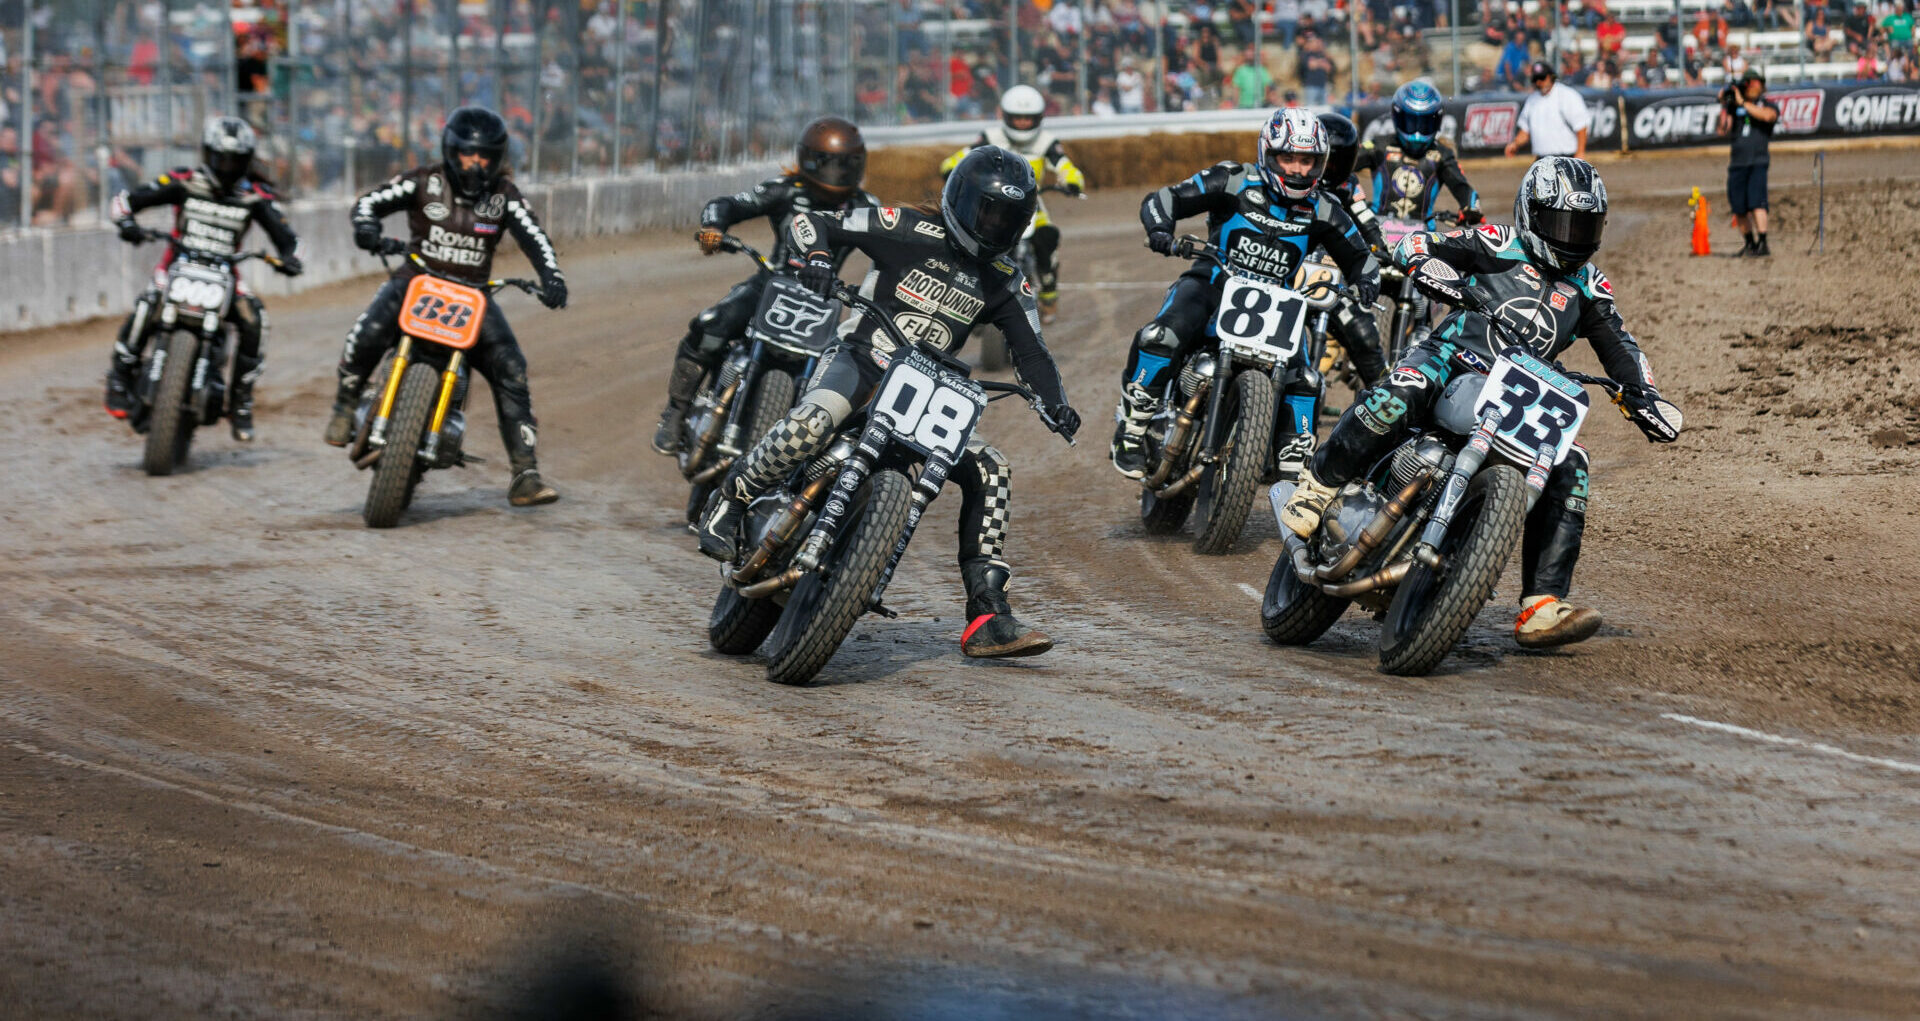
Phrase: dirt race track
{"type": "Point", "coordinates": [256, 760]}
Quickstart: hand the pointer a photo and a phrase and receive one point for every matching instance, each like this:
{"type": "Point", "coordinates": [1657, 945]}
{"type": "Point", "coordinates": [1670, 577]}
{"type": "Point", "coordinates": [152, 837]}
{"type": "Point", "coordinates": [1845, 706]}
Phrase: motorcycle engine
{"type": "Point", "coordinates": [1350, 511]}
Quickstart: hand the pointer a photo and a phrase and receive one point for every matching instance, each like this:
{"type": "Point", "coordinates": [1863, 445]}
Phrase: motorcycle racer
{"type": "Point", "coordinates": [456, 210]}
{"type": "Point", "coordinates": [213, 204]}
{"type": "Point", "coordinates": [938, 275]}
{"type": "Point", "coordinates": [1022, 109]}
{"type": "Point", "coordinates": [830, 162]}
{"type": "Point", "coordinates": [1268, 216]}
{"type": "Point", "coordinates": [1537, 278]}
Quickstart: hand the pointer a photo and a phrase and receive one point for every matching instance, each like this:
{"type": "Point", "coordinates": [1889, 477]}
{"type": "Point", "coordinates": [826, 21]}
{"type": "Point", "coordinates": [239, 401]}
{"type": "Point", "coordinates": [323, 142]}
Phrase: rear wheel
{"type": "Point", "coordinates": [1293, 612]}
{"type": "Point", "coordinates": [170, 429]}
{"type": "Point", "coordinates": [1226, 492]}
{"type": "Point", "coordinates": [822, 608]}
{"type": "Point", "coordinates": [1432, 609]}
{"type": "Point", "coordinates": [399, 468]}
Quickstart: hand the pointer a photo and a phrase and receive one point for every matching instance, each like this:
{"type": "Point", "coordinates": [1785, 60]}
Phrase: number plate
{"type": "Point", "coordinates": [203, 288]}
{"type": "Point", "coordinates": [927, 406]}
{"type": "Point", "coordinates": [794, 318]}
{"type": "Point", "coordinates": [443, 312]}
{"type": "Point", "coordinates": [1538, 407]}
{"type": "Point", "coordinates": [1316, 270]}
{"type": "Point", "coordinates": [1260, 320]}
{"type": "Point", "coordinates": [1392, 230]}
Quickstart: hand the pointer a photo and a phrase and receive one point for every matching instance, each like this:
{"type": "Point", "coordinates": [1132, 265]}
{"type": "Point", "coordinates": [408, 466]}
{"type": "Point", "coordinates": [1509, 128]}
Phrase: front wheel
{"type": "Point", "coordinates": [399, 468]}
{"type": "Point", "coordinates": [737, 624]}
{"type": "Point", "coordinates": [1227, 490]}
{"type": "Point", "coordinates": [1293, 612]}
{"type": "Point", "coordinates": [170, 429]}
{"type": "Point", "coordinates": [822, 608]}
{"type": "Point", "coordinates": [1432, 609]}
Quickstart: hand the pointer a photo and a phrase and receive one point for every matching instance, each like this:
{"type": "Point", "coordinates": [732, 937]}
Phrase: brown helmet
{"type": "Point", "coordinates": [832, 156]}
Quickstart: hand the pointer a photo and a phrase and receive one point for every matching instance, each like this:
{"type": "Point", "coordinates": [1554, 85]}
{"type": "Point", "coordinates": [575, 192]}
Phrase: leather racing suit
{"type": "Point", "coordinates": [1405, 188]}
{"type": "Point", "coordinates": [1043, 152]}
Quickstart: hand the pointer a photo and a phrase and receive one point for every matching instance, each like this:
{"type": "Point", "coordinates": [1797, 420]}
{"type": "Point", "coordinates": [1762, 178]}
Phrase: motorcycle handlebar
{"type": "Point", "coordinates": [231, 259]}
{"type": "Point", "coordinates": [729, 243]}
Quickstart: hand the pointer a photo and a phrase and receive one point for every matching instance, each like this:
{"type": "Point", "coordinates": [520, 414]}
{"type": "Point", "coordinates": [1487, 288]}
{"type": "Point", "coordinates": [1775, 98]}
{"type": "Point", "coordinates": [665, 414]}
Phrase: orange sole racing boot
{"type": "Point", "coordinates": [1548, 621]}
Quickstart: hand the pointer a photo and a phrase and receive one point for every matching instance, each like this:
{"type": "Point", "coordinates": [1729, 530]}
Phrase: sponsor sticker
{"type": "Point", "coordinates": [930, 229]}
{"type": "Point", "coordinates": [1412, 379]}
{"type": "Point", "coordinates": [1558, 301]}
{"type": "Point", "coordinates": [435, 210]}
{"type": "Point", "coordinates": [889, 217]}
{"type": "Point", "coordinates": [804, 232]}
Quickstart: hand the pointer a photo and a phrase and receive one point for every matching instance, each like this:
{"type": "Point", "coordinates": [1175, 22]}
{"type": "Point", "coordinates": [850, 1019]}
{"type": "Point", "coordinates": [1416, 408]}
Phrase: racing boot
{"type": "Point", "coordinates": [681, 387]}
{"type": "Point", "coordinates": [529, 490]}
{"type": "Point", "coordinates": [120, 390]}
{"type": "Point", "coordinates": [1049, 307]}
{"type": "Point", "coordinates": [1549, 621]}
{"type": "Point", "coordinates": [1760, 249]}
{"type": "Point", "coordinates": [719, 524]}
{"type": "Point", "coordinates": [1302, 513]}
{"type": "Point", "coordinates": [1292, 457]}
{"type": "Point", "coordinates": [1135, 411]}
{"type": "Point", "coordinates": [345, 400]}
{"type": "Point", "coordinates": [993, 632]}
{"type": "Point", "coordinates": [240, 412]}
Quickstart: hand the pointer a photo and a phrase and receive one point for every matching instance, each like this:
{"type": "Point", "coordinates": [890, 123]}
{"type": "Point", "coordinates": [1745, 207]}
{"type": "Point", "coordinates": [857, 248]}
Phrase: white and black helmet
{"type": "Point", "coordinates": [1560, 212]}
{"type": "Point", "coordinates": [1294, 131]}
{"type": "Point", "coordinates": [1021, 110]}
{"type": "Point", "coordinates": [988, 201]}
{"type": "Point", "coordinates": [226, 147]}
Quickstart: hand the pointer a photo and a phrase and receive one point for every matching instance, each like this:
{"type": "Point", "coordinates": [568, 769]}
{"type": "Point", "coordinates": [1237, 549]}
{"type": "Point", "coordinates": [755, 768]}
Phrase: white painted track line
{"type": "Point", "coordinates": [1794, 742]}
{"type": "Point", "coordinates": [1250, 590]}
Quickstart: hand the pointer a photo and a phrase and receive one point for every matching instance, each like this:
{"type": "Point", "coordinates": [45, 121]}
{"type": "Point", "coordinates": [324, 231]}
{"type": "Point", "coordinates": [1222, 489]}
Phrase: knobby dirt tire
{"type": "Point", "coordinates": [398, 470]}
{"type": "Point", "coordinates": [859, 558]}
{"type": "Point", "coordinates": [738, 625]}
{"type": "Point", "coordinates": [170, 428]}
{"type": "Point", "coordinates": [1429, 615]}
{"type": "Point", "coordinates": [1227, 496]}
{"type": "Point", "coordinates": [1293, 612]}
{"type": "Point", "coordinates": [1164, 516]}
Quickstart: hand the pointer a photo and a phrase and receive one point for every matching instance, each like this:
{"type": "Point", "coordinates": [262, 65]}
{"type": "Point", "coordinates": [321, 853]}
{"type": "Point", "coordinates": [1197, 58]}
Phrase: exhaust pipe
{"type": "Point", "coordinates": [1181, 484]}
{"type": "Point", "coordinates": [1392, 574]}
{"type": "Point", "coordinates": [711, 472]}
{"type": "Point", "coordinates": [1375, 532]}
{"type": "Point", "coordinates": [766, 587]}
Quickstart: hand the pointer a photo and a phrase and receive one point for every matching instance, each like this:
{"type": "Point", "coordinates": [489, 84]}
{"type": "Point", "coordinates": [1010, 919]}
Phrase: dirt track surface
{"type": "Point", "coordinates": [256, 760]}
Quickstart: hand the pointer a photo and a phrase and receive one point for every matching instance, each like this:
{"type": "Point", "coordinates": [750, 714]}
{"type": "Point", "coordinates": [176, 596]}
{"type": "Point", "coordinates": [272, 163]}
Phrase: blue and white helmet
{"type": "Point", "coordinates": [1292, 130]}
{"type": "Point", "coordinates": [1416, 116]}
{"type": "Point", "coordinates": [1560, 212]}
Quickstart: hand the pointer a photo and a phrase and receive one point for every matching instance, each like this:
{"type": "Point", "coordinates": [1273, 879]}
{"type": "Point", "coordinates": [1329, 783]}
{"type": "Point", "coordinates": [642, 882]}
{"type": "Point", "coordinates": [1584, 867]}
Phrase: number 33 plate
{"type": "Point", "coordinates": [1538, 407]}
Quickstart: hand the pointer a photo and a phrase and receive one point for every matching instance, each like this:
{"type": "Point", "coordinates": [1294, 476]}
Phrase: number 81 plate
{"type": "Point", "coordinates": [929, 408]}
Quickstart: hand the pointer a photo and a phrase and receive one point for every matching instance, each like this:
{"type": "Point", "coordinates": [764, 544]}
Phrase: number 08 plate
{"type": "Point", "coordinates": [929, 408]}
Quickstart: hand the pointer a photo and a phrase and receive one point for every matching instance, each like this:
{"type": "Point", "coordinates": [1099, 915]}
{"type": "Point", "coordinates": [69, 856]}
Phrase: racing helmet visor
{"type": "Point", "coordinates": [998, 224]}
{"type": "Point", "coordinates": [1571, 229]}
{"type": "Point", "coordinates": [1422, 126]}
{"type": "Point", "coordinates": [835, 169]}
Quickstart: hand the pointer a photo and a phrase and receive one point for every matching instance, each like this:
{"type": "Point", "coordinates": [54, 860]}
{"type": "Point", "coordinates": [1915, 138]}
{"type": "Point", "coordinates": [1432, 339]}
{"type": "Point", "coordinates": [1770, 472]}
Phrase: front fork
{"type": "Point", "coordinates": [377, 436]}
{"type": "Point", "coordinates": [449, 381]}
{"type": "Point", "coordinates": [933, 476]}
{"type": "Point", "coordinates": [1465, 467]}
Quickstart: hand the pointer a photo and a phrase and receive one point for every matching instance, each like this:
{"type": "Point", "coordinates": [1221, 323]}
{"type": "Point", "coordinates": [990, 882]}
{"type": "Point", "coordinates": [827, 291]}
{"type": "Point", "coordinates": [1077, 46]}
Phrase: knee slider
{"type": "Point", "coordinates": [1157, 339]}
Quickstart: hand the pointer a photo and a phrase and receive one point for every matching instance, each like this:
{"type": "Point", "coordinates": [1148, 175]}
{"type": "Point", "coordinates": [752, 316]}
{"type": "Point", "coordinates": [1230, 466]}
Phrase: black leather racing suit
{"type": "Point", "coordinates": [207, 218]}
{"type": "Point", "coordinates": [1268, 234]}
{"type": "Point", "coordinates": [936, 294]}
{"type": "Point", "coordinates": [1548, 311]}
{"type": "Point", "coordinates": [456, 237]}
{"type": "Point", "coordinates": [1406, 187]}
{"type": "Point", "coordinates": [1352, 322]}
{"type": "Point", "coordinates": [777, 199]}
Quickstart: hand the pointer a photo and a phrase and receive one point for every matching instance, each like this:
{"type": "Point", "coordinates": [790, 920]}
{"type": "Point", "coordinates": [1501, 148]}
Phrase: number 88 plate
{"type": "Point", "coordinates": [928, 407]}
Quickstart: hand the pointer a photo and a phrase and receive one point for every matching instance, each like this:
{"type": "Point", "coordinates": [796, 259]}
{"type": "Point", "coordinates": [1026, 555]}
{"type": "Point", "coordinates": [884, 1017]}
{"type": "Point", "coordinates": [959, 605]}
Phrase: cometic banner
{"type": "Point", "coordinates": [1482, 125]}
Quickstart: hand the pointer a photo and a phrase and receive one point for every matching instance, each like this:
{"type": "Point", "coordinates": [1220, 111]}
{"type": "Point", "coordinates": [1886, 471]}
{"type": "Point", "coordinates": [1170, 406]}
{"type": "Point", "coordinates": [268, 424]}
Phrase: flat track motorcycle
{"type": "Point", "coordinates": [820, 549]}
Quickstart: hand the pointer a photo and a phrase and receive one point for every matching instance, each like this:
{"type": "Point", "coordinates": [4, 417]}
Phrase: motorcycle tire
{"type": "Point", "coordinates": [1431, 610]}
{"type": "Point", "coordinates": [1293, 612]}
{"type": "Point", "coordinates": [738, 625]}
{"type": "Point", "coordinates": [822, 608]}
{"type": "Point", "coordinates": [1226, 491]}
{"type": "Point", "coordinates": [398, 471]}
{"type": "Point", "coordinates": [1164, 516]}
{"type": "Point", "coordinates": [170, 428]}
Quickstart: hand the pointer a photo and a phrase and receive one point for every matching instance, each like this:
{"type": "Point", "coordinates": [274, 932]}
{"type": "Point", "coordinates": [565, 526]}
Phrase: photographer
{"type": "Point", "coordinates": [1751, 117]}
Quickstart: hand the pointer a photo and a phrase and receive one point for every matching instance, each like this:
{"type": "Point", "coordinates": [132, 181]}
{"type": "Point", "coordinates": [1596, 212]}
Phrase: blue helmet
{"type": "Point", "coordinates": [1416, 116]}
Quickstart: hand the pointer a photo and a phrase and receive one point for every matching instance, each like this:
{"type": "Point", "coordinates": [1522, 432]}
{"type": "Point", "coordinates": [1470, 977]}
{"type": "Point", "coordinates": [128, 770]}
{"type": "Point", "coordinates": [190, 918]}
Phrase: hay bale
{"type": "Point", "coordinates": [906, 174]}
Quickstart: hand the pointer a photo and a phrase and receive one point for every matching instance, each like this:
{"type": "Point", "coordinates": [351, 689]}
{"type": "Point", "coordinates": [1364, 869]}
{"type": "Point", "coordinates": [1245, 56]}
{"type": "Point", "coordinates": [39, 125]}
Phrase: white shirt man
{"type": "Point", "coordinates": [1554, 118]}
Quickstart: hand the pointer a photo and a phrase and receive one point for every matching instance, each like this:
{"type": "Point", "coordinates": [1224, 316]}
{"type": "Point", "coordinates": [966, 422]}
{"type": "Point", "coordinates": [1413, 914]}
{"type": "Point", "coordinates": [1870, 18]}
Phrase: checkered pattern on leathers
{"type": "Point", "coordinates": [985, 482]}
{"type": "Point", "coordinates": [805, 432]}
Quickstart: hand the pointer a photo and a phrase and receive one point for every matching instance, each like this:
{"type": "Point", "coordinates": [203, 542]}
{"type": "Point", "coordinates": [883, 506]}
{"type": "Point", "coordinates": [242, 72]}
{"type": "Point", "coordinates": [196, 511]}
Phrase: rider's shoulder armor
{"type": "Point", "coordinates": [1501, 240]}
{"type": "Point", "coordinates": [1592, 283]}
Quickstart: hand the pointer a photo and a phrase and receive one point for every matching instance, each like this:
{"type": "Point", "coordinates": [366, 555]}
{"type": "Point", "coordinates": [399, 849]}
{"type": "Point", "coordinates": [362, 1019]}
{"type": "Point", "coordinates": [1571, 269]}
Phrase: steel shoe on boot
{"type": "Point", "coordinates": [666, 436]}
{"type": "Point", "coordinates": [529, 491]}
{"type": "Point", "coordinates": [719, 527]}
{"type": "Point", "coordinates": [1302, 513]}
{"type": "Point", "coordinates": [1002, 636]}
{"type": "Point", "coordinates": [1548, 621]}
{"type": "Point", "coordinates": [119, 395]}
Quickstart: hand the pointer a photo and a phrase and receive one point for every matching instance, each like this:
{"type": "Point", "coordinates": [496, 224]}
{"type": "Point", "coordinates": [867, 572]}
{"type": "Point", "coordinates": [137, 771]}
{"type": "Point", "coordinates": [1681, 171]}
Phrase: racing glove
{"type": "Point", "coordinates": [366, 237]}
{"type": "Point", "coordinates": [709, 239]}
{"type": "Point", "coordinates": [289, 266]}
{"type": "Point", "coordinates": [1657, 418]}
{"type": "Point", "coordinates": [1471, 217]}
{"type": "Point", "coordinates": [1441, 282]}
{"type": "Point", "coordinates": [389, 246]}
{"type": "Point", "coordinates": [1161, 241]}
{"type": "Point", "coordinates": [1066, 421]}
{"type": "Point", "coordinates": [131, 232]}
{"type": "Point", "coordinates": [817, 275]}
{"type": "Point", "coordinates": [553, 292]}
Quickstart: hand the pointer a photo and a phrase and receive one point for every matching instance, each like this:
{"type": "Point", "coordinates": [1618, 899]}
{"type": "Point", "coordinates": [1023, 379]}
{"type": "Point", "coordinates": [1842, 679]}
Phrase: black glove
{"type": "Point", "coordinates": [289, 266]}
{"type": "Point", "coordinates": [366, 237]}
{"type": "Point", "coordinates": [1066, 421]}
{"type": "Point", "coordinates": [817, 275]}
{"type": "Point", "coordinates": [1657, 418]}
{"type": "Point", "coordinates": [553, 293]}
{"type": "Point", "coordinates": [132, 233]}
{"type": "Point", "coordinates": [1161, 241]}
{"type": "Point", "coordinates": [1471, 217]}
{"type": "Point", "coordinates": [1367, 289]}
{"type": "Point", "coordinates": [390, 246]}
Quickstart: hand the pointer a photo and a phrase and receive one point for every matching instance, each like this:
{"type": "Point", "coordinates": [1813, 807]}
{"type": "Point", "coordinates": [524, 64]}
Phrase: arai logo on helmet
{"type": "Point", "coordinates": [1012, 192]}
{"type": "Point", "coordinates": [1583, 201]}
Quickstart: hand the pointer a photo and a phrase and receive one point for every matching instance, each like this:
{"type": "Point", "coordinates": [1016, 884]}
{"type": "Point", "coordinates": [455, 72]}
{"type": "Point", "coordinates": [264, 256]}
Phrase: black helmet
{"type": "Point", "coordinates": [1560, 212]}
{"type": "Point", "coordinates": [226, 147]}
{"type": "Point", "coordinates": [988, 201]}
{"type": "Point", "coordinates": [1343, 147]}
{"type": "Point", "coordinates": [832, 156]}
{"type": "Point", "coordinates": [474, 131]}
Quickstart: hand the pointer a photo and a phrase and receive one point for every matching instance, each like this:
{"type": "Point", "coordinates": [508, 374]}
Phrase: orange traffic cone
{"type": "Point", "coordinates": [1702, 241]}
